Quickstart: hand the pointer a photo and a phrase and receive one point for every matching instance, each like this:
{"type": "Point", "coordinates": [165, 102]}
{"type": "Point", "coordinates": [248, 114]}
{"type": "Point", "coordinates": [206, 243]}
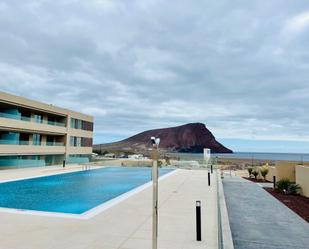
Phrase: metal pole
{"type": "Point", "coordinates": [155, 199]}
{"type": "Point", "coordinates": [274, 181]}
{"type": "Point", "coordinates": [198, 221]}
{"type": "Point", "coordinates": [208, 178]}
{"type": "Point", "coordinates": [211, 168]}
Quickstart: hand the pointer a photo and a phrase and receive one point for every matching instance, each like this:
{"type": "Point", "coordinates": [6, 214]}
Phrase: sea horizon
{"type": "Point", "coordinates": [272, 156]}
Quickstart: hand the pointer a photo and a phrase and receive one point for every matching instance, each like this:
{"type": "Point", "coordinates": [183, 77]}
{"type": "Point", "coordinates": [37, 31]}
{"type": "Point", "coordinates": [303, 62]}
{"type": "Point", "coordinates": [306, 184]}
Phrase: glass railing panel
{"type": "Point", "coordinates": [24, 142]}
{"type": "Point", "coordinates": [23, 118]}
{"type": "Point", "coordinates": [54, 144]}
{"type": "Point", "coordinates": [14, 116]}
{"type": "Point", "coordinates": [28, 119]}
{"type": "Point", "coordinates": [8, 115]}
{"type": "Point", "coordinates": [56, 123]}
{"type": "Point", "coordinates": [14, 142]}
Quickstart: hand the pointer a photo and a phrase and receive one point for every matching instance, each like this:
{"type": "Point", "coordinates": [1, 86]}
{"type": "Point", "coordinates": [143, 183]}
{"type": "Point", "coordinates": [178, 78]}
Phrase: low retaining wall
{"type": "Point", "coordinates": [302, 178]}
{"type": "Point", "coordinates": [285, 170]}
{"type": "Point", "coordinates": [271, 173]}
{"type": "Point", "coordinates": [225, 239]}
{"type": "Point", "coordinates": [282, 170]}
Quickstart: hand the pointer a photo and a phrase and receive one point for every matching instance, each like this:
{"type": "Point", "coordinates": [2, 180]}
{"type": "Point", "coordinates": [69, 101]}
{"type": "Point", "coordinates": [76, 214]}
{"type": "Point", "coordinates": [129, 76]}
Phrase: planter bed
{"type": "Point", "coordinates": [299, 204]}
{"type": "Point", "coordinates": [255, 180]}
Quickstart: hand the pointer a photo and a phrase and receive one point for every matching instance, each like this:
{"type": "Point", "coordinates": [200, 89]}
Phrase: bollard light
{"type": "Point", "coordinates": [198, 221]}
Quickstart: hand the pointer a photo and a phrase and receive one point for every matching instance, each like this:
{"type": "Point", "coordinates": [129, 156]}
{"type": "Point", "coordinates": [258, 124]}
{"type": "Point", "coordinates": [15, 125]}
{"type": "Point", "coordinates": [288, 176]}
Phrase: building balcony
{"type": "Point", "coordinates": [14, 142]}
{"type": "Point", "coordinates": [27, 119]}
{"type": "Point", "coordinates": [28, 125]}
{"type": "Point", "coordinates": [54, 144]}
{"type": "Point", "coordinates": [24, 148]}
{"type": "Point", "coordinates": [20, 142]}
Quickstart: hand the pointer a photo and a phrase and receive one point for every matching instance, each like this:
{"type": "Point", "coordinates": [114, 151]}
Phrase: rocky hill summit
{"type": "Point", "coordinates": [191, 138]}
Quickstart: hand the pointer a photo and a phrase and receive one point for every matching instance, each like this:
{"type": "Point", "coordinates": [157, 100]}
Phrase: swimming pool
{"type": "Point", "coordinates": [73, 193]}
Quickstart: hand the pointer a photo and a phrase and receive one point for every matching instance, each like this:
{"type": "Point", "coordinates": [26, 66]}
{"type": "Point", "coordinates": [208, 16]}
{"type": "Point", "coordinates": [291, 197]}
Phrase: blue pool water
{"type": "Point", "coordinates": [73, 193]}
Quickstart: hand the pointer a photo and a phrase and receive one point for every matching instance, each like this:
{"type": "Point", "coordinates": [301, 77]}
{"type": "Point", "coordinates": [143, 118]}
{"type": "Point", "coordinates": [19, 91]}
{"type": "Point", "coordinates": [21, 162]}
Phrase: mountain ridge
{"type": "Point", "coordinates": [191, 138]}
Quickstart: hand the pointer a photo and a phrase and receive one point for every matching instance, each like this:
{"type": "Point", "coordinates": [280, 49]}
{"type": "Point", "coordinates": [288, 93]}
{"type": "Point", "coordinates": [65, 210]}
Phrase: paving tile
{"type": "Point", "coordinates": [258, 220]}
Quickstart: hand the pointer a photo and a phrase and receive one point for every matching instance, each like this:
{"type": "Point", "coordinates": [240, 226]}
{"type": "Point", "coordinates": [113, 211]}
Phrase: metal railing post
{"type": "Point", "coordinates": [155, 199]}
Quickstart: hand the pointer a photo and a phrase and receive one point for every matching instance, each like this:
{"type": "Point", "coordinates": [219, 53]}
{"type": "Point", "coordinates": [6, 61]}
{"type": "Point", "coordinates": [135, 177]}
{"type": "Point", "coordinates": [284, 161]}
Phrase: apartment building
{"type": "Point", "coordinates": [38, 134]}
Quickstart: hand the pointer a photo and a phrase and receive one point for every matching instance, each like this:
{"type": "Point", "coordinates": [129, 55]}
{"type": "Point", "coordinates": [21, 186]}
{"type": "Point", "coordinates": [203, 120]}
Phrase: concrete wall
{"type": "Point", "coordinates": [293, 172]}
{"type": "Point", "coordinates": [282, 170]}
{"type": "Point", "coordinates": [271, 173]}
{"type": "Point", "coordinates": [302, 178]}
{"type": "Point", "coordinates": [79, 150]}
{"type": "Point", "coordinates": [285, 170]}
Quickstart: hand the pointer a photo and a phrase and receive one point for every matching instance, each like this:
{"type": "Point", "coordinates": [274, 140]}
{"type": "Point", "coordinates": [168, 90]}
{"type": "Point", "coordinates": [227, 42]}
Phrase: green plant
{"type": "Point", "coordinates": [293, 189]}
{"type": "Point", "coordinates": [264, 171]}
{"type": "Point", "coordinates": [255, 173]}
{"type": "Point", "coordinates": [250, 171]}
{"type": "Point", "coordinates": [283, 185]}
{"type": "Point", "coordinates": [167, 160]}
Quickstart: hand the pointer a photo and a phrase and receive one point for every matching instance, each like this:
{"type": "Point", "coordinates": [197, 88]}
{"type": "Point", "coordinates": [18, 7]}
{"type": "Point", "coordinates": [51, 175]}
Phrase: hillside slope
{"type": "Point", "coordinates": [193, 138]}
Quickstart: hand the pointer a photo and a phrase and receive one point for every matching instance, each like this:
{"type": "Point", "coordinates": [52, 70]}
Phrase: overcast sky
{"type": "Point", "coordinates": [240, 67]}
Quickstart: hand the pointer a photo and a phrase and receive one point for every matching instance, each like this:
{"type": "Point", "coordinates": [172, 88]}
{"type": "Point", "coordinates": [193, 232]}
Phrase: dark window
{"type": "Point", "coordinates": [81, 124]}
{"type": "Point", "coordinates": [88, 126]}
{"type": "Point", "coordinates": [86, 142]}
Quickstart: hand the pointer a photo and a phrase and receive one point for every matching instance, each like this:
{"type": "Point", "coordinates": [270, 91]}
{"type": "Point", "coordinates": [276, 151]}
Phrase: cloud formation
{"type": "Point", "coordinates": [241, 67]}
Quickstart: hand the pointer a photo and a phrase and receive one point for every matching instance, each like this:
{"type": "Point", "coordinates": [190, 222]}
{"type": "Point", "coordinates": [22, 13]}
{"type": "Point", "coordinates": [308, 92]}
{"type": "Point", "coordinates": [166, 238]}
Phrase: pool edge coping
{"type": "Point", "coordinates": [53, 174]}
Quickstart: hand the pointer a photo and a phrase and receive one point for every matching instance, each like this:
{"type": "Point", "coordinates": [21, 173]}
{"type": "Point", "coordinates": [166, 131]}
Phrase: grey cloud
{"type": "Point", "coordinates": [239, 66]}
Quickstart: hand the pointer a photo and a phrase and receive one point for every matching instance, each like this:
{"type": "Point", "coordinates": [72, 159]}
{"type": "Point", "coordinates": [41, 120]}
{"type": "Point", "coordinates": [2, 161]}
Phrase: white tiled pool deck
{"type": "Point", "coordinates": [126, 225]}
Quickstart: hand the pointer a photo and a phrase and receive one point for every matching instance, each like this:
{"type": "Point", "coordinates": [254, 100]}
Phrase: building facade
{"type": "Point", "coordinates": [38, 134]}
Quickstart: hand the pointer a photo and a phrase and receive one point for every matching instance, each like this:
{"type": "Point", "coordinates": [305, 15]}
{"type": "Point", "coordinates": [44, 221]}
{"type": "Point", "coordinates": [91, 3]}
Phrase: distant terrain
{"type": "Point", "coordinates": [191, 138]}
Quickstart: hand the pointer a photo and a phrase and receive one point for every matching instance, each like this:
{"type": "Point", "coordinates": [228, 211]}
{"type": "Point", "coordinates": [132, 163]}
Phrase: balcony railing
{"type": "Point", "coordinates": [28, 119]}
{"type": "Point", "coordinates": [54, 143]}
{"type": "Point", "coordinates": [15, 142]}
{"type": "Point", "coordinates": [55, 123]}
{"type": "Point", "coordinates": [25, 142]}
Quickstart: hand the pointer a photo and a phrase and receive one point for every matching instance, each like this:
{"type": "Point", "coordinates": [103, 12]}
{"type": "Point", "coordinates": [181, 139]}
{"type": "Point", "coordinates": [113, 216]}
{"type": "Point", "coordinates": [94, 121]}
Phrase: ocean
{"type": "Point", "coordinates": [249, 155]}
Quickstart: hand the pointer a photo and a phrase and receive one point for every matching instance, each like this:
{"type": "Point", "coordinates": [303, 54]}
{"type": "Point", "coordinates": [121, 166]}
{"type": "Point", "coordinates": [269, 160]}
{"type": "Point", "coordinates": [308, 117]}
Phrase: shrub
{"type": "Point", "coordinates": [283, 185]}
{"type": "Point", "coordinates": [255, 173]}
{"type": "Point", "coordinates": [293, 189]}
{"type": "Point", "coordinates": [250, 171]}
{"type": "Point", "coordinates": [167, 160]}
{"type": "Point", "coordinates": [264, 171]}
{"type": "Point", "coordinates": [288, 187]}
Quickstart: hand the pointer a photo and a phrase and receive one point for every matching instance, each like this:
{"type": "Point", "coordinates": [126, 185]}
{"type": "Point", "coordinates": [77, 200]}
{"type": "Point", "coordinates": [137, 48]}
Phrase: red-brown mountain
{"type": "Point", "coordinates": [193, 137]}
